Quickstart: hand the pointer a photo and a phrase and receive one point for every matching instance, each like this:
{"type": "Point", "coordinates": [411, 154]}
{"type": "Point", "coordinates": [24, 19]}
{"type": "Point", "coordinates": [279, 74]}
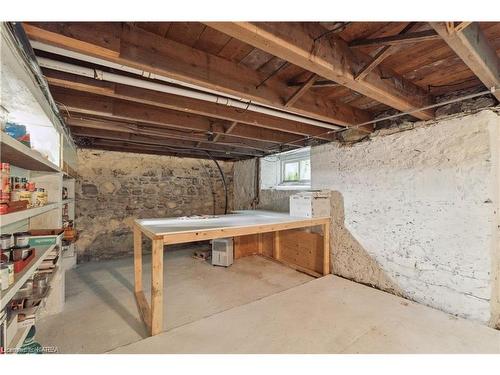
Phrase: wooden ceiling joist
{"type": "Point", "coordinates": [79, 102]}
{"type": "Point", "coordinates": [144, 50]}
{"type": "Point", "coordinates": [75, 120]}
{"type": "Point", "coordinates": [120, 146]}
{"type": "Point", "coordinates": [179, 103]}
{"type": "Point", "coordinates": [472, 46]}
{"type": "Point", "coordinates": [331, 58]}
{"type": "Point", "coordinates": [382, 54]}
{"type": "Point", "coordinates": [301, 91]}
{"type": "Point", "coordinates": [396, 40]}
{"type": "Point", "coordinates": [168, 142]}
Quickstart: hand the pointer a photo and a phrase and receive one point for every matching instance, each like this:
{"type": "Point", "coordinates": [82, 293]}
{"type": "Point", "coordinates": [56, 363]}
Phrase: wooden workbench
{"type": "Point", "coordinates": [181, 230]}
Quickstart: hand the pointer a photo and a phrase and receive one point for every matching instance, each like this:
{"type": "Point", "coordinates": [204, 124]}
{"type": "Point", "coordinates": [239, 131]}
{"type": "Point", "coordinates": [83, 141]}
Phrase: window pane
{"type": "Point", "coordinates": [292, 171]}
{"type": "Point", "coordinates": [305, 169]}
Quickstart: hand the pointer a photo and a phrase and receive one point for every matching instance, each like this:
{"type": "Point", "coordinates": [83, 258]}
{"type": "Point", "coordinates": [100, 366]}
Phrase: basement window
{"type": "Point", "coordinates": [287, 170]}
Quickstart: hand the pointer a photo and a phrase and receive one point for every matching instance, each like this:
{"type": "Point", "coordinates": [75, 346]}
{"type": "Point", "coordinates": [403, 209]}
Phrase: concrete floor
{"type": "Point", "coordinates": [101, 314]}
{"type": "Point", "coordinates": [254, 306]}
{"type": "Point", "coordinates": [327, 315]}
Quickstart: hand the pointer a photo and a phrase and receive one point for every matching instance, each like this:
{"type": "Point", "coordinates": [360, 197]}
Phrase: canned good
{"type": "Point", "coordinates": [6, 241]}
{"type": "Point", "coordinates": [10, 267]}
{"type": "Point", "coordinates": [4, 276]}
{"type": "Point", "coordinates": [6, 255]}
{"type": "Point", "coordinates": [4, 196]}
{"type": "Point", "coordinates": [31, 186]}
{"type": "Point", "coordinates": [21, 239]}
{"type": "Point", "coordinates": [24, 196]}
{"type": "Point", "coordinates": [41, 198]}
{"type": "Point", "coordinates": [4, 208]}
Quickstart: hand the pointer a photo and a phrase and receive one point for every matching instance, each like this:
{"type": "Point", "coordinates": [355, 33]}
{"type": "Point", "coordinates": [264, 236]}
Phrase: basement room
{"type": "Point", "coordinates": [198, 186]}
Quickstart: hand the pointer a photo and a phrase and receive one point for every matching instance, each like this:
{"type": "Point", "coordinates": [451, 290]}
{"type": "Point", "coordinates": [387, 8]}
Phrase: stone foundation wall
{"type": "Point", "coordinates": [114, 188]}
{"type": "Point", "coordinates": [415, 212]}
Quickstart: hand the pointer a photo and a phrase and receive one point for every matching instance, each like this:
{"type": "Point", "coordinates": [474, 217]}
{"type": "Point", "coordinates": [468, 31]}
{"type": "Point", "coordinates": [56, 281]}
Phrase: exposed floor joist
{"type": "Point", "coordinates": [330, 57]}
{"type": "Point", "coordinates": [472, 46]}
{"type": "Point", "coordinates": [75, 101]}
{"type": "Point", "coordinates": [179, 103]}
{"type": "Point", "coordinates": [396, 40]}
{"type": "Point", "coordinates": [134, 47]}
{"type": "Point", "coordinates": [162, 141]}
{"type": "Point", "coordinates": [99, 123]}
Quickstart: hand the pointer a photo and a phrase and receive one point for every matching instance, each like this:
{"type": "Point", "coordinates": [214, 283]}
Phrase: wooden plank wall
{"type": "Point", "coordinates": [300, 249]}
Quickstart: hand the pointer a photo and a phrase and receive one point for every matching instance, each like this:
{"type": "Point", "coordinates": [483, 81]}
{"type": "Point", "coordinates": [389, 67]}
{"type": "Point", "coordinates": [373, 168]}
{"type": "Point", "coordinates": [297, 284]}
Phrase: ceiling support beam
{"type": "Point", "coordinates": [381, 55]}
{"type": "Point", "coordinates": [179, 103]}
{"type": "Point", "coordinates": [166, 142]}
{"type": "Point", "coordinates": [330, 57]}
{"type": "Point", "coordinates": [301, 91]}
{"type": "Point", "coordinates": [396, 40]}
{"type": "Point", "coordinates": [120, 146]}
{"type": "Point", "coordinates": [96, 105]}
{"type": "Point", "coordinates": [75, 120]}
{"type": "Point", "coordinates": [472, 46]}
{"type": "Point", "coordinates": [146, 51]}
{"type": "Point", "coordinates": [228, 130]}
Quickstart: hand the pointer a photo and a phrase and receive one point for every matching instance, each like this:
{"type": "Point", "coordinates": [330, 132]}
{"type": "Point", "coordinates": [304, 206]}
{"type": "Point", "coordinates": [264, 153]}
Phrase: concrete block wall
{"type": "Point", "coordinates": [417, 212]}
{"type": "Point", "coordinates": [114, 188]}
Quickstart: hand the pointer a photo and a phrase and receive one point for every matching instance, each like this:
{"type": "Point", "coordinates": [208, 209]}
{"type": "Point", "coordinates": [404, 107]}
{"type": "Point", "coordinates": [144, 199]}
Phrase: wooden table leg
{"type": "Point", "coordinates": [277, 246]}
{"type": "Point", "coordinates": [326, 248]}
{"type": "Point", "coordinates": [157, 288]}
{"type": "Point", "coordinates": [137, 259]}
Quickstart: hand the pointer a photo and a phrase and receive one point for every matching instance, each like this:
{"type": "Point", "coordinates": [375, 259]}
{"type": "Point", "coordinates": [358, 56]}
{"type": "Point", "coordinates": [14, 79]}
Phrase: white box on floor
{"type": "Point", "coordinates": [222, 252]}
{"type": "Point", "coordinates": [310, 204]}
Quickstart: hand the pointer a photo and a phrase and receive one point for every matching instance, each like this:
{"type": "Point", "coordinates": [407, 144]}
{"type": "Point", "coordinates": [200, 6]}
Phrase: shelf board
{"type": "Point", "coordinates": [68, 200]}
{"type": "Point", "coordinates": [16, 153]}
{"type": "Point", "coordinates": [18, 339]}
{"type": "Point", "coordinates": [20, 278]}
{"type": "Point", "coordinates": [7, 219]}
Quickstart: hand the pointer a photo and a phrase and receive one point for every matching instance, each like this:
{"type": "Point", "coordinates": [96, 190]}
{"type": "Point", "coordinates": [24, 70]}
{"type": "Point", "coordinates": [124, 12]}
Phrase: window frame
{"type": "Point", "coordinates": [294, 157]}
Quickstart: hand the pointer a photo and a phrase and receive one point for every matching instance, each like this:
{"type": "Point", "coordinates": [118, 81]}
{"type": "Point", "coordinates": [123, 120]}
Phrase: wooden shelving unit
{"type": "Point", "coordinates": [20, 155]}
{"type": "Point", "coordinates": [26, 214]}
{"type": "Point", "coordinates": [20, 278]}
{"type": "Point", "coordinates": [32, 109]}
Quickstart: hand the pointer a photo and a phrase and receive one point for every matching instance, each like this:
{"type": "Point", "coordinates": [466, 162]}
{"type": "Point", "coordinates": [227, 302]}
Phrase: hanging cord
{"type": "Point", "coordinates": [223, 179]}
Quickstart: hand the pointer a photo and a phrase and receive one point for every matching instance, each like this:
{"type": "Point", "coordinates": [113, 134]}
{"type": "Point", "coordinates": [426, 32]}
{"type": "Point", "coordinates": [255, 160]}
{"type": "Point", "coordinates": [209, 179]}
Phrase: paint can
{"type": "Point", "coordinates": [4, 276]}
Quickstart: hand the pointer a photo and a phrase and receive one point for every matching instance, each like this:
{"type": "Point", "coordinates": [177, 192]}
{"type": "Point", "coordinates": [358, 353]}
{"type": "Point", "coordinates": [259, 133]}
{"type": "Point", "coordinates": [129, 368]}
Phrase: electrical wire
{"type": "Point", "coordinates": [223, 179]}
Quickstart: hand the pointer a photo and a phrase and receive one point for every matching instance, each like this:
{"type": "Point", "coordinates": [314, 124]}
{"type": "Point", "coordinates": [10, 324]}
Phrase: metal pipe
{"type": "Point", "coordinates": [191, 91]}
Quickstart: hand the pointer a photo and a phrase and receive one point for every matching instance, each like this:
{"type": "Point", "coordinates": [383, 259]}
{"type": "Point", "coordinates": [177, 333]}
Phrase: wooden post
{"type": "Point", "coordinates": [157, 287]}
{"type": "Point", "coordinates": [326, 248]}
{"type": "Point", "coordinates": [277, 245]}
{"type": "Point", "coordinates": [260, 244]}
{"type": "Point", "coordinates": [137, 259]}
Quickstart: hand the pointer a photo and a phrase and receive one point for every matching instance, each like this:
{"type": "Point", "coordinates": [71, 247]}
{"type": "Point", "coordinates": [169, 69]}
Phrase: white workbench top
{"type": "Point", "coordinates": [233, 220]}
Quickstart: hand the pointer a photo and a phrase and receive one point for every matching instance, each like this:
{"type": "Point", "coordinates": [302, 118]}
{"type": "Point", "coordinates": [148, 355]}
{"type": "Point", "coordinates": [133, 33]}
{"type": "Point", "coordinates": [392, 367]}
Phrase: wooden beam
{"type": "Point", "coordinates": [167, 142]}
{"type": "Point", "coordinates": [395, 40]}
{"type": "Point", "coordinates": [147, 51]}
{"type": "Point", "coordinates": [179, 103]}
{"type": "Point", "coordinates": [318, 83]}
{"type": "Point", "coordinates": [99, 123]}
{"type": "Point", "coordinates": [332, 59]}
{"type": "Point", "coordinates": [76, 119]}
{"type": "Point", "coordinates": [73, 101]}
{"type": "Point", "coordinates": [381, 55]}
{"type": "Point", "coordinates": [461, 26]}
{"type": "Point", "coordinates": [122, 146]}
{"type": "Point", "coordinates": [229, 130]}
{"type": "Point", "coordinates": [472, 46]}
{"type": "Point", "coordinates": [301, 91]}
